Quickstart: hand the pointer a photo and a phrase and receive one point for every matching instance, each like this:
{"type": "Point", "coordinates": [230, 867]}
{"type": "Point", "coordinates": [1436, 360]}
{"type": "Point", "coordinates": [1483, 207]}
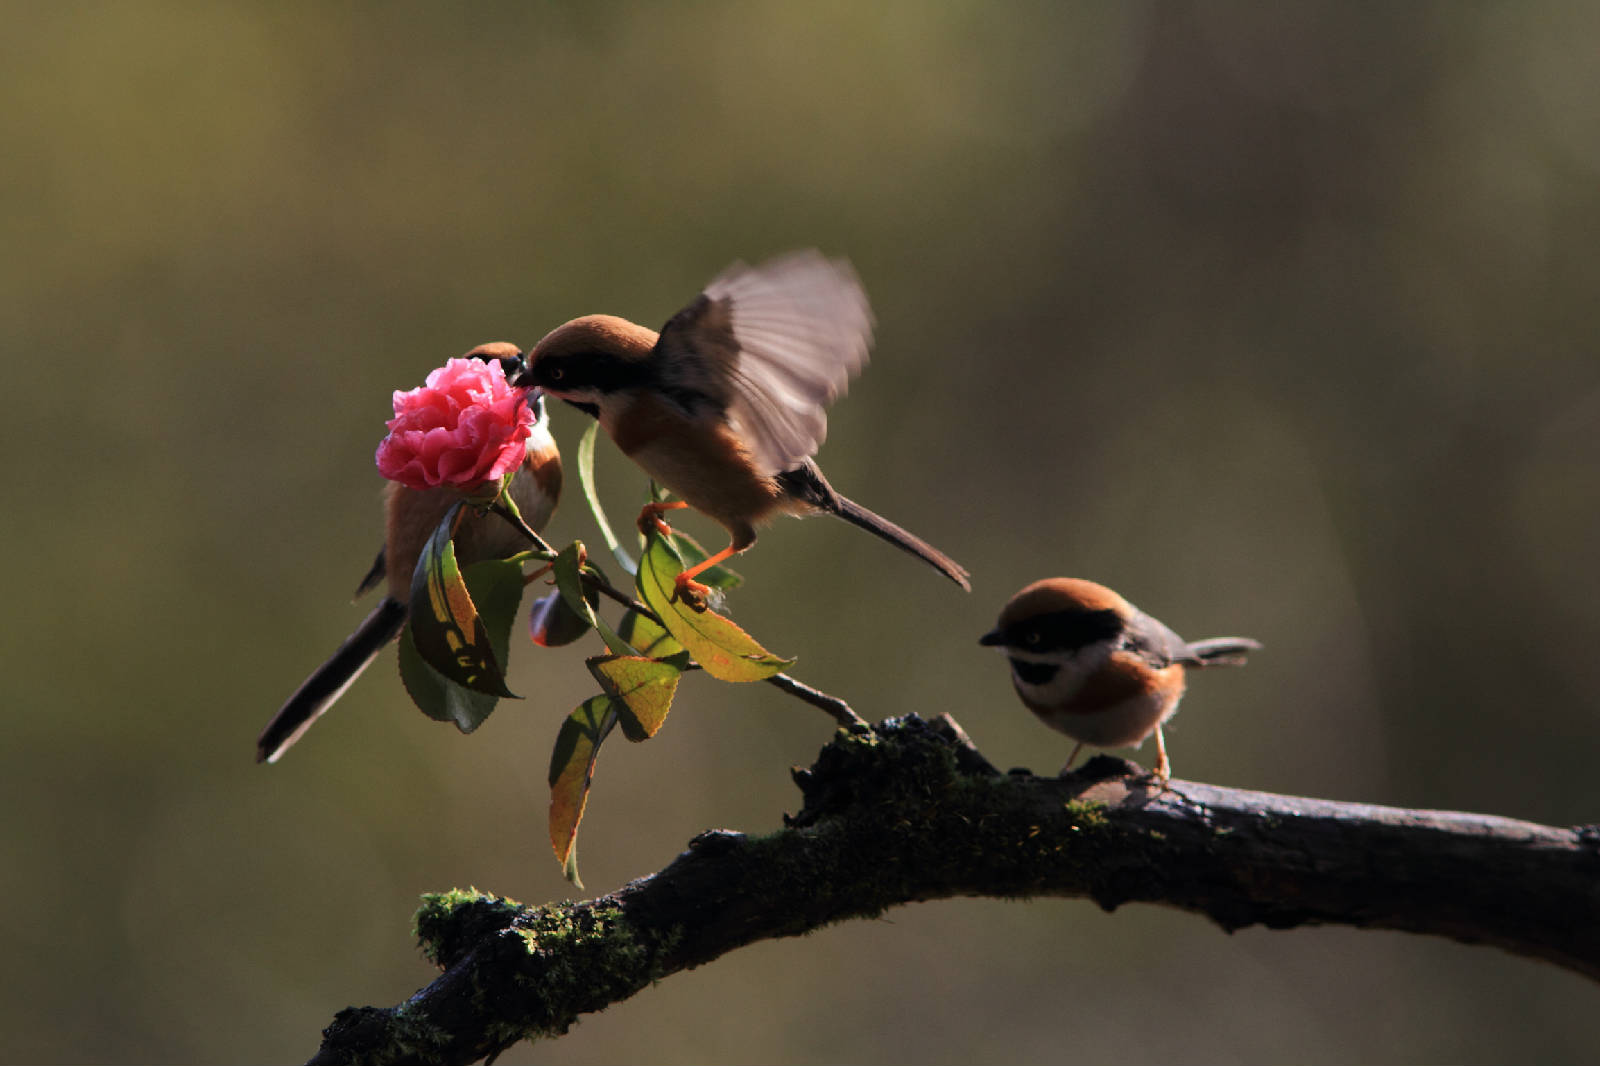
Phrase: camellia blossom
{"type": "Point", "coordinates": [465, 427]}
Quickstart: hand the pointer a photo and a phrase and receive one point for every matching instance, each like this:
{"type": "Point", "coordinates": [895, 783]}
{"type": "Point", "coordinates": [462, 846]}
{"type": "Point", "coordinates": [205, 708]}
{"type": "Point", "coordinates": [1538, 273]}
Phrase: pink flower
{"type": "Point", "coordinates": [466, 426]}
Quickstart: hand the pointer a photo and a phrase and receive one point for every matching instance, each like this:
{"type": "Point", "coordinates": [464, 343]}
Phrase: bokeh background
{"type": "Point", "coordinates": [1278, 318]}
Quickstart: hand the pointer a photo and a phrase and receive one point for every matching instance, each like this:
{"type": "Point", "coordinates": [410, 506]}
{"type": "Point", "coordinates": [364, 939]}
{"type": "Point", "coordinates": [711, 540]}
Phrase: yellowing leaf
{"type": "Point", "coordinates": [722, 649]}
{"type": "Point", "coordinates": [571, 774]}
{"type": "Point", "coordinates": [642, 689]}
{"type": "Point", "coordinates": [496, 589]}
{"type": "Point", "coordinates": [444, 622]}
{"type": "Point", "coordinates": [648, 638]}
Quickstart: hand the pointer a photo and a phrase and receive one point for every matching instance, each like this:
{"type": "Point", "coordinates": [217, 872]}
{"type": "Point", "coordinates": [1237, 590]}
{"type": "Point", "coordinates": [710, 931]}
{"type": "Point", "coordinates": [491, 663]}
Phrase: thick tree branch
{"type": "Point", "coordinates": [913, 812]}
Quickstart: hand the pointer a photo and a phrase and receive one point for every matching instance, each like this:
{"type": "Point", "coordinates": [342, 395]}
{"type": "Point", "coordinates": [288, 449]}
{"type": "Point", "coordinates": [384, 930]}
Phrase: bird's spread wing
{"type": "Point", "coordinates": [771, 346]}
{"type": "Point", "coordinates": [1154, 642]}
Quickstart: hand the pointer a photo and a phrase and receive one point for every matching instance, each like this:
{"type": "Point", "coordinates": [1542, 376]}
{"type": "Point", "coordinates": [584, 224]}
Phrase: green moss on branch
{"type": "Point", "coordinates": [911, 811]}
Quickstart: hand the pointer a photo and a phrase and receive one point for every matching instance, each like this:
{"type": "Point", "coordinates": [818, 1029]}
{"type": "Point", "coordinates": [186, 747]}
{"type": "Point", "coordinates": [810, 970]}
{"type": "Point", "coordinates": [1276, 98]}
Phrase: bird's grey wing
{"type": "Point", "coordinates": [1154, 642]}
{"type": "Point", "coordinates": [771, 346]}
{"type": "Point", "coordinates": [692, 355]}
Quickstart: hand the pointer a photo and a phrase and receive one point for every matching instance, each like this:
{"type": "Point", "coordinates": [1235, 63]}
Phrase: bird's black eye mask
{"type": "Point", "coordinates": [1066, 630]}
{"type": "Point", "coordinates": [602, 372]}
{"type": "Point", "coordinates": [1035, 673]}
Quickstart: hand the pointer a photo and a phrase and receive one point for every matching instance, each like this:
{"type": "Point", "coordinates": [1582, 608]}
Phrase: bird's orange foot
{"type": "Point", "coordinates": [1163, 764]}
{"type": "Point", "coordinates": [650, 517]}
{"type": "Point", "coordinates": [690, 592]}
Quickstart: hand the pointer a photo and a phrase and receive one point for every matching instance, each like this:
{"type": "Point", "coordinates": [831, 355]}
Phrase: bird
{"type": "Point", "coordinates": [726, 405]}
{"type": "Point", "coordinates": [1093, 666]}
{"type": "Point", "coordinates": [411, 516]}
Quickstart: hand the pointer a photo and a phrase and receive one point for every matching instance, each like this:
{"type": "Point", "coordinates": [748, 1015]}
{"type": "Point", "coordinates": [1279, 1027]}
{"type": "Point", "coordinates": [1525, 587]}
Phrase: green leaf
{"type": "Point", "coordinates": [496, 586]}
{"type": "Point", "coordinates": [571, 774]}
{"type": "Point", "coordinates": [505, 505]}
{"type": "Point", "coordinates": [586, 479]}
{"type": "Point", "coordinates": [444, 621]}
{"type": "Point", "coordinates": [568, 568]}
{"type": "Point", "coordinates": [641, 688]}
{"type": "Point", "coordinates": [722, 649]}
{"type": "Point", "coordinates": [436, 695]}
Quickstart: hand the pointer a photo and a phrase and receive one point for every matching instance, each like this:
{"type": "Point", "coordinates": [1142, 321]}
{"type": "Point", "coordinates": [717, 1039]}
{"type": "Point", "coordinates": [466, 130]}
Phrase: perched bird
{"type": "Point", "coordinates": [411, 517]}
{"type": "Point", "coordinates": [1095, 667]}
{"type": "Point", "coordinates": [727, 404]}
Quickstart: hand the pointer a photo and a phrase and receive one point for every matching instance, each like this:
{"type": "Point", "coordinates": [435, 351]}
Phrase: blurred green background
{"type": "Point", "coordinates": [1279, 319]}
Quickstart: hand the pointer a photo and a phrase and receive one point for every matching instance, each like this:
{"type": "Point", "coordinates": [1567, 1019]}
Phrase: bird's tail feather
{"type": "Point", "coordinates": [806, 483]}
{"type": "Point", "coordinates": [1223, 651]}
{"type": "Point", "coordinates": [905, 540]}
{"type": "Point", "coordinates": [329, 681]}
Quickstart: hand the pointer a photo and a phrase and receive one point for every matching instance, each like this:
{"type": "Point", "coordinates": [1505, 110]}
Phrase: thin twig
{"type": "Point", "coordinates": [833, 706]}
{"type": "Point", "coordinates": [595, 581]}
{"type": "Point", "coordinates": [499, 508]}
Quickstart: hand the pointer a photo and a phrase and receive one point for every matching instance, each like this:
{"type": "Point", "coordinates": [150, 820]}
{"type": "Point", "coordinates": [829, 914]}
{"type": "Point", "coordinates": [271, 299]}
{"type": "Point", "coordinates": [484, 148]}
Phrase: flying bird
{"type": "Point", "coordinates": [727, 404]}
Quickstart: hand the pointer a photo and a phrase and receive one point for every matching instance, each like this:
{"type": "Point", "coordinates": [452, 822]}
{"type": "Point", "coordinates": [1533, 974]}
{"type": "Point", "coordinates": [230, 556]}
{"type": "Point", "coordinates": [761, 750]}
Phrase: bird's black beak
{"type": "Point", "coordinates": [993, 639]}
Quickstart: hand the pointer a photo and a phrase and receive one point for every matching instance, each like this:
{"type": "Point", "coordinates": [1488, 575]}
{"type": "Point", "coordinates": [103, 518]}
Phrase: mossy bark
{"type": "Point", "coordinates": [911, 811]}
